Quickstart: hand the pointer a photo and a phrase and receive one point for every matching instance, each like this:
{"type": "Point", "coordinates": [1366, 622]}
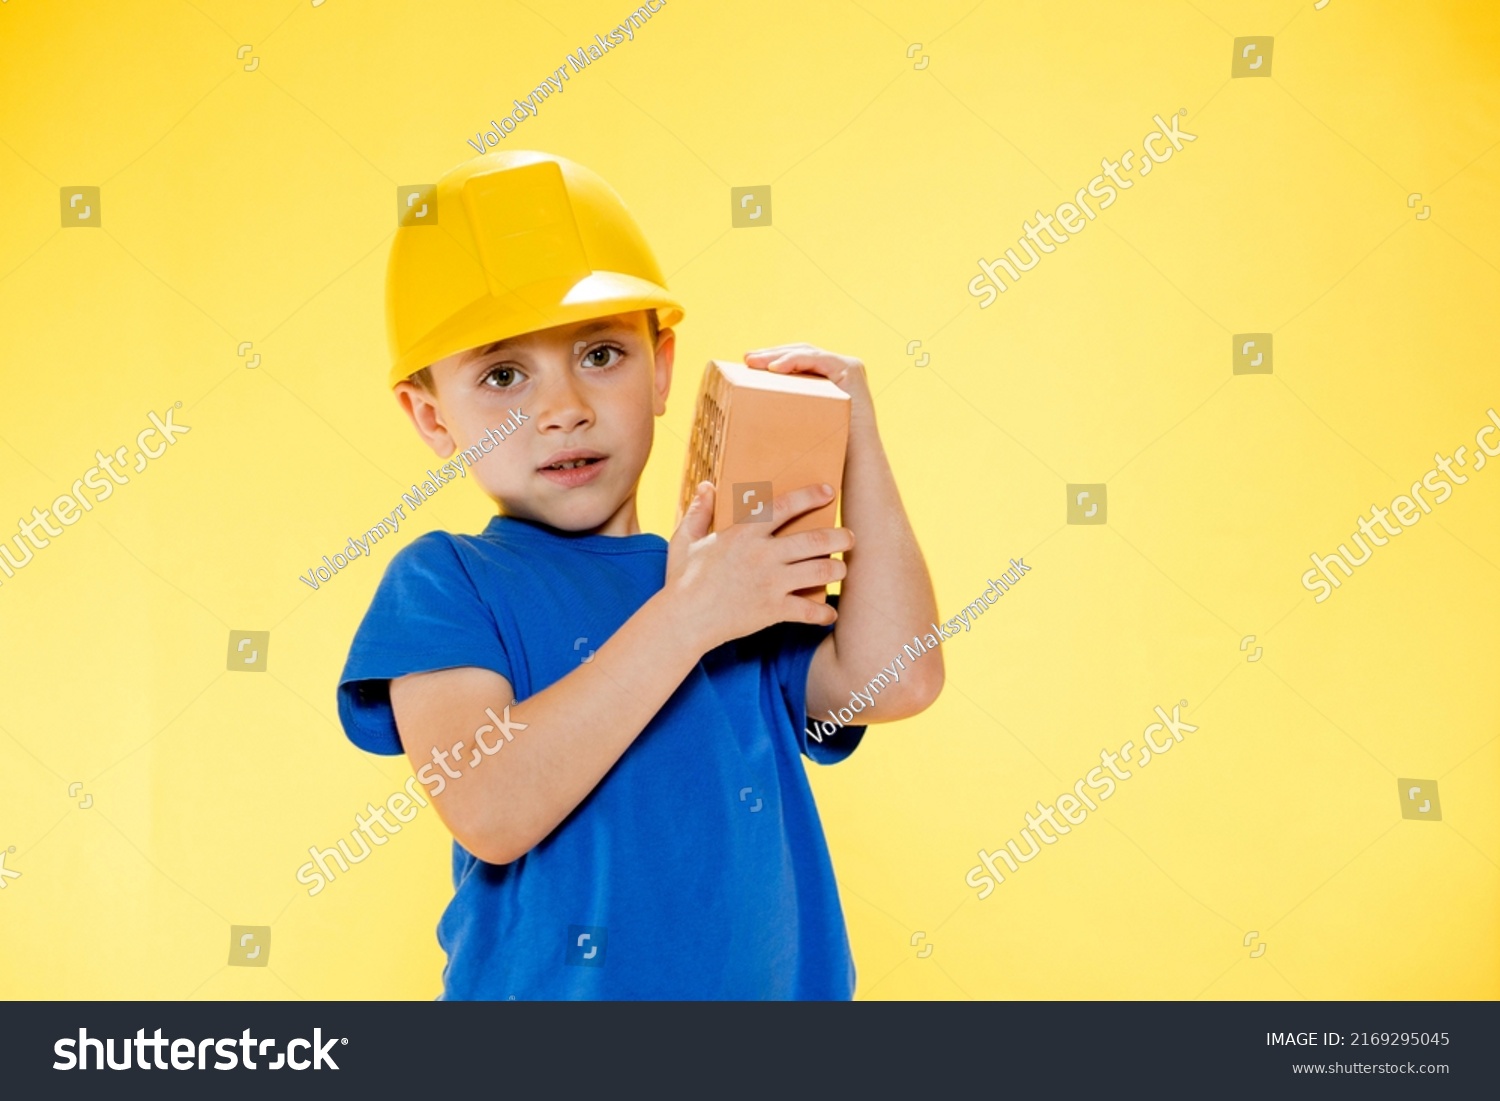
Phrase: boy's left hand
{"type": "Point", "coordinates": [845, 372]}
{"type": "Point", "coordinates": [886, 591]}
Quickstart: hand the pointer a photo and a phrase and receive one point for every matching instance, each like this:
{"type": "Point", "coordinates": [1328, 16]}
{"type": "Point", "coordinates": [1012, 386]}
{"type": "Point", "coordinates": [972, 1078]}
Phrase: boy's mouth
{"type": "Point", "coordinates": [573, 468]}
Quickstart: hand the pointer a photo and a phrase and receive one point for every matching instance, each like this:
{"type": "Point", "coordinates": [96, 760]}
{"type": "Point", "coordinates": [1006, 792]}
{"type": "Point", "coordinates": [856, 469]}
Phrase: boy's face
{"type": "Point", "coordinates": [589, 391]}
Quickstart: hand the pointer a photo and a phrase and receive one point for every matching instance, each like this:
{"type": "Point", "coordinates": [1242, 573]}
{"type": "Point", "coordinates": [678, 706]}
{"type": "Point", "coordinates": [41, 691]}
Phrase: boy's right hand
{"type": "Point", "coordinates": [735, 582]}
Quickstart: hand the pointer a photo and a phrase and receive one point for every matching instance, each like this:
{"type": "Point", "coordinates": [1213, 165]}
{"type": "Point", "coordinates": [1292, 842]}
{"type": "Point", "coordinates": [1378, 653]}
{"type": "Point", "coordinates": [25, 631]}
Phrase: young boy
{"type": "Point", "coordinates": [649, 831]}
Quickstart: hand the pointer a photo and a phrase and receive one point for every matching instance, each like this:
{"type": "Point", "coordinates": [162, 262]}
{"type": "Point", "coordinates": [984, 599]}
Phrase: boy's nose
{"type": "Point", "coordinates": [564, 407]}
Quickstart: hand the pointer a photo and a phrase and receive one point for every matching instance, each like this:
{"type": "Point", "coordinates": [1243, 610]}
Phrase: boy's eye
{"type": "Point", "coordinates": [601, 356]}
{"type": "Point", "coordinates": [502, 376]}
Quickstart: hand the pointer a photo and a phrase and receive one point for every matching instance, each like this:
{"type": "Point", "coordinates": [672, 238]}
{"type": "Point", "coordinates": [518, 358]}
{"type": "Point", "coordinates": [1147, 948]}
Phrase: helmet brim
{"type": "Point", "coordinates": [540, 306]}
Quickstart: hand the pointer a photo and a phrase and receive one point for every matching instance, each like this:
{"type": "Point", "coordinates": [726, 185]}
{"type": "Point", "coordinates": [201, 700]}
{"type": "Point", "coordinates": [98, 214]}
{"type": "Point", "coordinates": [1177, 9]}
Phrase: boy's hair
{"type": "Point", "coordinates": [423, 378]}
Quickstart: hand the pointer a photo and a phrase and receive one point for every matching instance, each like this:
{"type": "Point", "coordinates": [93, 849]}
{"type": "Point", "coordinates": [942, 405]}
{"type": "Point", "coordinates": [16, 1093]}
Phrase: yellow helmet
{"type": "Point", "coordinates": [521, 241]}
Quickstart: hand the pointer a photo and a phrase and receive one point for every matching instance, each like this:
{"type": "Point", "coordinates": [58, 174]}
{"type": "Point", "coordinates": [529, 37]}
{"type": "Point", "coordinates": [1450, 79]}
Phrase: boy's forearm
{"type": "Point", "coordinates": [887, 595]}
{"type": "Point", "coordinates": [577, 729]}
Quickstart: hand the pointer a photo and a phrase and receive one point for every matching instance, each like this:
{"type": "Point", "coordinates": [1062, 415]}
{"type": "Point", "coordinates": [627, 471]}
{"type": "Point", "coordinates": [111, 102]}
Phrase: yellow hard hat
{"type": "Point", "coordinates": [522, 241]}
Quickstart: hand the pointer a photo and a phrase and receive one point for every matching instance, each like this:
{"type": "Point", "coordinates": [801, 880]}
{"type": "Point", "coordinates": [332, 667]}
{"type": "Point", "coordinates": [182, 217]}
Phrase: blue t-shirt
{"type": "Point", "coordinates": [697, 868]}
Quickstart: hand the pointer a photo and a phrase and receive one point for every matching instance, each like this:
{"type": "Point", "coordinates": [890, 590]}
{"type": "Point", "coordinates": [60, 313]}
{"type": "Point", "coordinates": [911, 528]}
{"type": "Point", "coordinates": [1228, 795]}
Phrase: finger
{"type": "Point", "coordinates": [791, 505]}
{"type": "Point", "coordinates": [699, 516]}
{"type": "Point", "coordinates": [800, 609]}
{"type": "Point", "coordinates": [703, 510]}
{"type": "Point", "coordinates": [814, 573]}
{"type": "Point", "coordinates": [789, 362]}
{"type": "Point", "coordinates": [778, 349]}
{"type": "Point", "coordinates": [818, 543]}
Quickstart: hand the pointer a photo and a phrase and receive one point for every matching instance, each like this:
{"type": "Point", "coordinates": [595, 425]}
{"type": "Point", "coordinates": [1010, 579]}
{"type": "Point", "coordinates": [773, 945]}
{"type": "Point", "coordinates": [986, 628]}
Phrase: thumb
{"type": "Point", "coordinates": [699, 516]}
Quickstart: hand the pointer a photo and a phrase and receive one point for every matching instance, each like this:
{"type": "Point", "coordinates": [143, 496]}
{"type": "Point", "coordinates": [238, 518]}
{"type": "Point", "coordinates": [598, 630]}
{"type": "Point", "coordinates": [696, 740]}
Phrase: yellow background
{"type": "Point", "coordinates": [258, 206]}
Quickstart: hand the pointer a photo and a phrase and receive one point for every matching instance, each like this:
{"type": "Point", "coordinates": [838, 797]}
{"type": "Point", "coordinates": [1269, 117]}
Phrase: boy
{"type": "Point", "coordinates": [649, 831]}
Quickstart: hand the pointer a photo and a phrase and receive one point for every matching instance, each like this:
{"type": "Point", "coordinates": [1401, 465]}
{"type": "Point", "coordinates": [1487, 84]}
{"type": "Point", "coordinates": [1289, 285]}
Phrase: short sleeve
{"type": "Point", "coordinates": [427, 614]}
{"type": "Point", "coordinates": [792, 648]}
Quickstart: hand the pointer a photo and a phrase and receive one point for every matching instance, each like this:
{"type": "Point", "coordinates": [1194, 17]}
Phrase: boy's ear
{"type": "Point", "coordinates": [666, 350]}
{"type": "Point", "coordinates": [422, 408]}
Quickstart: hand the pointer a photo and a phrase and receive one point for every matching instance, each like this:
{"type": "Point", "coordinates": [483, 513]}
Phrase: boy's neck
{"type": "Point", "coordinates": [623, 522]}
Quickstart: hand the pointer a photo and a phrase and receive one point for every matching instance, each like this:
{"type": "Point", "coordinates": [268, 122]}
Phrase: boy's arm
{"type": "Point", "coordinates": [564, 739]}
{"type": "Point", "coordinates": [561, 742]}
{"type": "Point", "coordinates": [887, 595]}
